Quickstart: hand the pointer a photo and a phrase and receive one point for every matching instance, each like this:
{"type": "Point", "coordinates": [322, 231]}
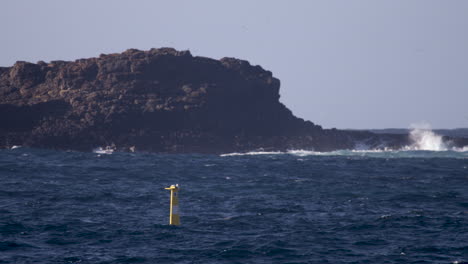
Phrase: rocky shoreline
{"type": "Point", "coordinates": [161, 100]}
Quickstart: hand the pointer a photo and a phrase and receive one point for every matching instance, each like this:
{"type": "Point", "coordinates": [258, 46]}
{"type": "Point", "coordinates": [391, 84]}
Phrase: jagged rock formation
{"type": "Point", "coordinates": [159, 100]}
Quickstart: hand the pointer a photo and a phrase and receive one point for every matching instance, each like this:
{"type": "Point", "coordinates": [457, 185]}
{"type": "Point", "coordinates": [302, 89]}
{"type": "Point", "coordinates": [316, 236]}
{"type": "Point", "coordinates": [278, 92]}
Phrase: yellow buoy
{"type": "Point", "coordinates": [174, 218]}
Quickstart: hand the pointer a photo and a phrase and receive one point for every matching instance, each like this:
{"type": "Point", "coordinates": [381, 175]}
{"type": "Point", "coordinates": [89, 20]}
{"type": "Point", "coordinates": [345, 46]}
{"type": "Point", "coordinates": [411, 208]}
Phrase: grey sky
{"type": "Point", "coordinates": [344, 64]}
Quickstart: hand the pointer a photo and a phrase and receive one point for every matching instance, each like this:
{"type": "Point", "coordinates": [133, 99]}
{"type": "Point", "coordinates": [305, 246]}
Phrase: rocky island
{"type": "Point", "coordinates": [161, 100]}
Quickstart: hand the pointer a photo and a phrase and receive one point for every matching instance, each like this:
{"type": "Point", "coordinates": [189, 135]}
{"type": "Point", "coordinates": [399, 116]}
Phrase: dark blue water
{"type": "Point", "coordinates": [70, 207]}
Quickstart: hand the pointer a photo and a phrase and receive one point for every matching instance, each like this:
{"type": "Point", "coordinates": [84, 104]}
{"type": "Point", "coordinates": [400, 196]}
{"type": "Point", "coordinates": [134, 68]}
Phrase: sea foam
{"type": "Point", "coordinates": [422, 138]}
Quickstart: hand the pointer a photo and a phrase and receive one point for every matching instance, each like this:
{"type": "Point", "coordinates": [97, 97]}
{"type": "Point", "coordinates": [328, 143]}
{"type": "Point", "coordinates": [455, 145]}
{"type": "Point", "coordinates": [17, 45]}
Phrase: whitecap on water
{"type": "Point", "coordinates": [252, 153]}
{"type": "Point", "coordinates": [424, 143]}
{"type": "Point", "coordinates": [101, 150]}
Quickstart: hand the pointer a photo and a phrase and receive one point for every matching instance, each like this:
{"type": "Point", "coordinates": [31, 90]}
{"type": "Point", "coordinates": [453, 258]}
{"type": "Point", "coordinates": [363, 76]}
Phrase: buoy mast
{"type": "Point", "coordinates": [174, 218]}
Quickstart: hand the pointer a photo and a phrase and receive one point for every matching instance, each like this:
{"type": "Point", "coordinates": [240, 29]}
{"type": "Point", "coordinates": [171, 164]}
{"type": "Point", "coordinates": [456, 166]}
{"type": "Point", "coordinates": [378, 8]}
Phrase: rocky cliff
{"type": "Point", "coordinates": [160, 100]}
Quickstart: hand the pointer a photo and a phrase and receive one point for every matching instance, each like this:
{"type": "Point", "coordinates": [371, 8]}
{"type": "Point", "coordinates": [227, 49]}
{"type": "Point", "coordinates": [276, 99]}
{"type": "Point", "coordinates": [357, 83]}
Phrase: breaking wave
{"type": "Point", "coordinates": [424, 138]}
{"type": "Point", "coordinates": [107, 150]}
{"type": "Point", "coordinates": [424, 143]}
{"type": "Point", "coordinates": [376, 153]}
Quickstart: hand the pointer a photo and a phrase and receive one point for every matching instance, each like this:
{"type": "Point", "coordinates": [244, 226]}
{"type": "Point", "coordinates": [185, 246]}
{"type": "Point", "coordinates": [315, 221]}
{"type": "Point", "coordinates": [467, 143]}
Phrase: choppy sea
{"type": "Point", "coordinates": [294, 207]}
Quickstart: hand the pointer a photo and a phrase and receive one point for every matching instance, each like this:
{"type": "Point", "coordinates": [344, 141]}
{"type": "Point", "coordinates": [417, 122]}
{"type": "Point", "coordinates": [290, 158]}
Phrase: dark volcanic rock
{"type": "Point", "coordinates": [159, 100]}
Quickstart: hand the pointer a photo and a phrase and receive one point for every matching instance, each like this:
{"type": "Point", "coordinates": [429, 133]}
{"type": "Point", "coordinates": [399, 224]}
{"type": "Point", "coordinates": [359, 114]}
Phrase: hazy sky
{"type": "Point", "coordinates": [344, 64]}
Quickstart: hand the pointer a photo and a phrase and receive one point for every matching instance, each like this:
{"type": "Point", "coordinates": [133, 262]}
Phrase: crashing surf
{"type": "Point", "coordinates": [424, 143]}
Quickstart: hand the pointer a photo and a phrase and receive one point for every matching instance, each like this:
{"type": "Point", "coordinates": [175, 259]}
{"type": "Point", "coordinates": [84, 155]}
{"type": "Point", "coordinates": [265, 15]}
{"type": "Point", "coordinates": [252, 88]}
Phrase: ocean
{"type": "Point", "coordinates": [408, 206]}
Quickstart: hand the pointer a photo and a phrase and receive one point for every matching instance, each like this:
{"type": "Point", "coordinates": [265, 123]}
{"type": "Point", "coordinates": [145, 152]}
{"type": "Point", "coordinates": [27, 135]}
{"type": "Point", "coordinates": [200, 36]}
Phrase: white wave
{"type": "Point", "coordinates": [423, 138]}
{"type": "Point", "coordinates": [101, 150]}
{"type": "Point", "coordinates": [408, 151]}
{"type": "Point", "coordinates": [386, 153]}
{"type": "Point", "coordinates": [295, 152]}
{"type": "Point", "coordinates": [302, 153]}
{"type": "Point", "coordinates": [15, 147]}
{"type": "Point", "coordinates": [378, 153]}
{"type": "Point", "coordinates": [361, 145]}
{"type": "Point", "coordinates": [464, 149]}
{"type": "Point", "coordinates": [252, 153]}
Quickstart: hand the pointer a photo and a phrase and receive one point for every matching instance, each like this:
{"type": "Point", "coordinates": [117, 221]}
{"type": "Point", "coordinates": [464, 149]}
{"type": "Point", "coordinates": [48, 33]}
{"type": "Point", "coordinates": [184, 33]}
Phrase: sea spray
{"type": "Point", "coordinates": [424, 138]}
